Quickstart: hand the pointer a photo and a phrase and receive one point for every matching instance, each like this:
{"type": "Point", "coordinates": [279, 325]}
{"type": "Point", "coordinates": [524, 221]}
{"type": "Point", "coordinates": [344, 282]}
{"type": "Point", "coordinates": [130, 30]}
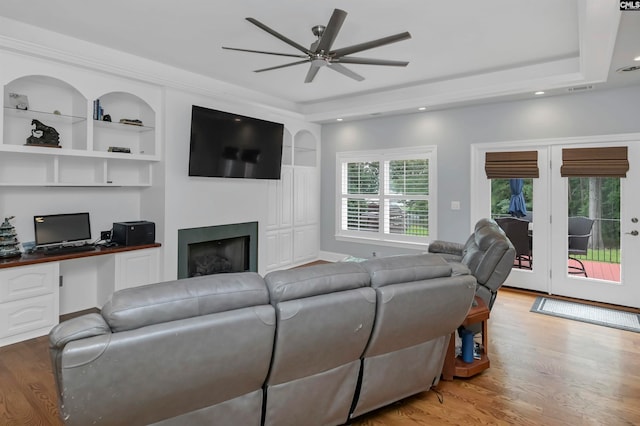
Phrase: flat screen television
{"type": "Point", "coordinates": [234, 146]}
{"type": "Point", "coordinates": [58, 229]}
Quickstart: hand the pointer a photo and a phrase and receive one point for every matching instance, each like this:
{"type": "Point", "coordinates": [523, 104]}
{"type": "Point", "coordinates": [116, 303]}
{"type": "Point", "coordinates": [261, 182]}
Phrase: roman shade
{"type": "Point", "coordinates": [511, 164]}
{"type": "Point", "coordinates": [595, 162]}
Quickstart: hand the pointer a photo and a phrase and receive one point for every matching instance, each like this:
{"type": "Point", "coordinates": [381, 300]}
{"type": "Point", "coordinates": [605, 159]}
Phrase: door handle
{"type": "Point", "coordinates": [634, 233]}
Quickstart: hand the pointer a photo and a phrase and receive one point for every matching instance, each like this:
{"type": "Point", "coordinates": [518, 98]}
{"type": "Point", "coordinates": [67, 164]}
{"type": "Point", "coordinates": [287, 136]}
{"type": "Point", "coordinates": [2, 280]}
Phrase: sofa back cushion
{"type": "Point", "coordinates": [174, 300]}
{"type": "Point", "coordinates": [315, 280]}
{"type": "Point", "coordinates": [386, 271]}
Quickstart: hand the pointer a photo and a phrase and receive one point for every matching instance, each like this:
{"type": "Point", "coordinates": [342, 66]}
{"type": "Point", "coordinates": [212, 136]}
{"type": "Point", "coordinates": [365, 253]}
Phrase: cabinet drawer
{"type": "Point", "coordinates": [28, 281]}
{"type": "Point", "coordinates": [27, 315]}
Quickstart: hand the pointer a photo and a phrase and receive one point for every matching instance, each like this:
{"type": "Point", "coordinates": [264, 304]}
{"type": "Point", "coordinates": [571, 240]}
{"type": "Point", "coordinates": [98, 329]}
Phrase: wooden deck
{"type": "Point", "coordinates": [597, 270]}
{"type": "Point", "coordinates": [602, 270]}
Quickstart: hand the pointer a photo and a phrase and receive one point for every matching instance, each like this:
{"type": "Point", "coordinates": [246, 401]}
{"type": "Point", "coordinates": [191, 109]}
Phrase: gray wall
{"type": "Point", "coordinates": [453, 131]}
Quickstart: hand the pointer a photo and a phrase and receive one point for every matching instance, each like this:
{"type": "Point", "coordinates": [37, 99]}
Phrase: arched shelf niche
{"type": "Point", "coordinates": [131, 126]}
{"type": "Point", "coordinates": [305, 149]}
{"type": "Point", "coordinates": [287, 148]}
{"type": "Point", "coordinates": [51, 101]}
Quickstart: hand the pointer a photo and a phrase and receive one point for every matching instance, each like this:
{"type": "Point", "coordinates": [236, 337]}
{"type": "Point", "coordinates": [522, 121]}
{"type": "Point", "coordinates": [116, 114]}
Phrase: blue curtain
{"type": "Point", "coordinates": [517, 206]}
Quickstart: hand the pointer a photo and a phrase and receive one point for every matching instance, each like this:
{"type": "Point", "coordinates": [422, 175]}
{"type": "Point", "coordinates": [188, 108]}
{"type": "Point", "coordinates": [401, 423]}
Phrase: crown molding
{"type": "Point", "coordinates": [45, 44]}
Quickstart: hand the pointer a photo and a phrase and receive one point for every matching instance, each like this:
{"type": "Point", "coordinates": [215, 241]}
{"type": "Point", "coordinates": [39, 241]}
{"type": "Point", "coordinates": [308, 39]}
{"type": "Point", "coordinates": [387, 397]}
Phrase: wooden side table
{"type": "Point", "coordinates": [455, 366]}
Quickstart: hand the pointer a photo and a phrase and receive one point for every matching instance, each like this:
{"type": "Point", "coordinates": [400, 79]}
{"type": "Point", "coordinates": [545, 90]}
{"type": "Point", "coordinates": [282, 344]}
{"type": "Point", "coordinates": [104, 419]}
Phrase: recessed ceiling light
{"type": "Point", "coordinates": [637, 58]}
{"type": "Point", "coordinates": [422, 108]}
{"type": "Point", "coordinates": [539, 92]}
{"type": "Point", "coordinates": [338, 119]}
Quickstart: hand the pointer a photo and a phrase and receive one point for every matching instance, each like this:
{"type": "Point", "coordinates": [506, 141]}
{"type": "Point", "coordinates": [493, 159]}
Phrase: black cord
{"type": "Point", "coordinates": [439, 394]}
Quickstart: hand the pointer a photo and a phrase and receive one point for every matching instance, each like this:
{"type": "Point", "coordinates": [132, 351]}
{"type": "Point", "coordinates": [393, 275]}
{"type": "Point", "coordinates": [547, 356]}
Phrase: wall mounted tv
{"type": "Point", "coordinates": [234, 146]}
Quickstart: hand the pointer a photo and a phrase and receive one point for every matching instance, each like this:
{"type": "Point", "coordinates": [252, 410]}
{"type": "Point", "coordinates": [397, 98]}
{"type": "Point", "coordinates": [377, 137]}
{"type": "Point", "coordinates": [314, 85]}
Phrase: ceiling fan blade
{"type": "Point", "coordinates": [367, 61]}
{"type": "Point", "coordinates": [265, 53]}
{"type": "Point", "coordinates": [370, 44]}
{"type": "Point", "coordinates": [346, 71]}
{"type": "Point", "coordinates": [331, 31]}
{"type": "Point", "coordinates": [311, 74]}
{"type": "Point", "coordinates": [278, 35]}
{"type": "Point", "coordinates": [282, 66]}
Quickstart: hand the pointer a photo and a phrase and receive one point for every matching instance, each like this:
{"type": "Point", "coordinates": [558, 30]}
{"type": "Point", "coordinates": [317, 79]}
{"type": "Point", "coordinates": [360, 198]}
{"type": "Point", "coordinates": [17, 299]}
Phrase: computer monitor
{"type": "Point", "coordinates": [61, 228]}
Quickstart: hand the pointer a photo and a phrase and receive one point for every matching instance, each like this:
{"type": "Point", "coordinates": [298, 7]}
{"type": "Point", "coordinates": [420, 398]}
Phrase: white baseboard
{"type": "Point", "coordinates": [331, 256]}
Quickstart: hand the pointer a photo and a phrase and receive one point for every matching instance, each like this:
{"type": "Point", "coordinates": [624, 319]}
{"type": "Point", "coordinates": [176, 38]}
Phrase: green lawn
{"type": "Point", "coordinates": [602, 255]}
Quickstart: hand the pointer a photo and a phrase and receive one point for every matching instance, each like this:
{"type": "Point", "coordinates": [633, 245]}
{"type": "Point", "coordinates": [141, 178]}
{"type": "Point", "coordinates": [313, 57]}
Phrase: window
{"type": "Point", "coordinates": [387, 195]}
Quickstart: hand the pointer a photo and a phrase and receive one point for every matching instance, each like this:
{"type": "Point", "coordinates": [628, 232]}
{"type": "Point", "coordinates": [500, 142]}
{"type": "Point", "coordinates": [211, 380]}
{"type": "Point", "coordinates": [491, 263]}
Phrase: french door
{"type": "Point", "coordinates": [553, 200]}
{"type": "Point", "coordinates": [488, 201]}
{"type": "Point", "coordinates": [613, 262]}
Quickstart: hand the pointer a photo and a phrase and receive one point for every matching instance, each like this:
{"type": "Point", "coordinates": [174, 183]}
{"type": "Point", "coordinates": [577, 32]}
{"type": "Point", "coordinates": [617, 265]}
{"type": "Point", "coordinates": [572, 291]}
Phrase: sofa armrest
{"type": "Point", "coordinates": [446, 247]}
{"type": "Point", "coordinates": [77, 328]}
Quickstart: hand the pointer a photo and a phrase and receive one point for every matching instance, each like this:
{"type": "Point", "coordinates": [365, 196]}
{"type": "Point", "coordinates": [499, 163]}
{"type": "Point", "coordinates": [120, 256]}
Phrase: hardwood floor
{"type": "Point", "coordinates": [544, 371]}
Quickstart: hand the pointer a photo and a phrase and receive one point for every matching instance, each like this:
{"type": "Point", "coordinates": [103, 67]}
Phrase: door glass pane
{"type": "Point", "coordinates": [512, 208]}
{"type": "Point", "coordinates": [594, 228]}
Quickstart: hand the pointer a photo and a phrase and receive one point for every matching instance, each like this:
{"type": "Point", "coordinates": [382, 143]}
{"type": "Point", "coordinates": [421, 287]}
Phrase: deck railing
{"type": "Point", "coordinates": [604, 244]}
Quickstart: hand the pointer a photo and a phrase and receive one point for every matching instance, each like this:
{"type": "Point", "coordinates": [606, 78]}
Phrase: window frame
{"type": "Point", "coordinates": [383, 156]}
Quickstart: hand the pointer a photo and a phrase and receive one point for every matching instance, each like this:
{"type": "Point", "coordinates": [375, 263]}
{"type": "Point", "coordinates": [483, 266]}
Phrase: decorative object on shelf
{"type": "Point", "coordinates": [119, 149]}
{"type": "Point", "coordinates": [106, 117]}
{"type": "Point", "coordinates": [18, 101]}
{"type": "Point", "coordinates": [131, 121]}
{"type": "Point", "coordinates": [43, 135]}
{"type": "Point", "coordinates": [9, 245]}
{"type": "Point", "coordinates": [56, 112]}
{"type": "Point", "coordinates": [98, 111]}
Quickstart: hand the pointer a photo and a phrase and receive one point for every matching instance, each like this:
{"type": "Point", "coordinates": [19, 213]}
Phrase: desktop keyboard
{"type": "Point", "coordinates": [69, 249]}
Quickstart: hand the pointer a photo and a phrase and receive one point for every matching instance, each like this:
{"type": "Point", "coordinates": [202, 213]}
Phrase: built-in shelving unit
{"type": "Point", "coordinates": [83, 157]}
{"type": "Point", "coordinates": [293, 221]}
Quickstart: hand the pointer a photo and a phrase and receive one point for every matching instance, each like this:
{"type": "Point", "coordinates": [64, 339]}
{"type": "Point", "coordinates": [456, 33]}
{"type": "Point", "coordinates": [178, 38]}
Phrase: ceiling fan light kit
{"type": "Point", "coordinates": [319, 54]}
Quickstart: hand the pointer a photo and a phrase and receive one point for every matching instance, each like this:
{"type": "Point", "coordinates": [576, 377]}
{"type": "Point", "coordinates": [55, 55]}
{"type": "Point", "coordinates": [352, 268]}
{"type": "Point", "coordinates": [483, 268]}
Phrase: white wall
{"type": "Point", "coordinates": [197, 201]}
{"type": "Point", "coordinates": [453, 131]}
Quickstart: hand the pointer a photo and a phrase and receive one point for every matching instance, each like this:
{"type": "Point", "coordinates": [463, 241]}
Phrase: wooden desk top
{"type": "Point", "coordinates": [40, 257]}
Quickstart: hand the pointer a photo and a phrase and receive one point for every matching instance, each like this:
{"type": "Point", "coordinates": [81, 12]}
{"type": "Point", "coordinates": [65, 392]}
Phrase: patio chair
{"type": "Point", "coordinates": [579, 233]}
{"type": "Point", "coordinates": [517, 230]}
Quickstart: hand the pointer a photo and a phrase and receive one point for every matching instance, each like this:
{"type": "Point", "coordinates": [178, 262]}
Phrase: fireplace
{"type": "Point", "coordinates": [218, 249]}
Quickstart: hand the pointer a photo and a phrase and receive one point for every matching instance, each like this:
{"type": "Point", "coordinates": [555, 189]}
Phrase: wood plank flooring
{"type": "Point", "coordinates": [544, 371]}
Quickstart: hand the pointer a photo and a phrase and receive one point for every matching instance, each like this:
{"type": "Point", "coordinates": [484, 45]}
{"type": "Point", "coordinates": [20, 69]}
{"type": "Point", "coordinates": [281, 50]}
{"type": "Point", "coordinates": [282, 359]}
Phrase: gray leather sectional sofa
{"type": "Point", "coordinates": [311, 346]}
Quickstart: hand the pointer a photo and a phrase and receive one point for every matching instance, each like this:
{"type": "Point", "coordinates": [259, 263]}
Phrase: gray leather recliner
{"type": "Point", "coordinates": [162, 352]}
{"type": "Point", "coordinates": [314, 345]}
{"type": "Point", "coordinates": [324, 317]}
{"type": "Point", "coordinates": [419, 304]}
{"type": "Point", "coordinates": [487, 253]}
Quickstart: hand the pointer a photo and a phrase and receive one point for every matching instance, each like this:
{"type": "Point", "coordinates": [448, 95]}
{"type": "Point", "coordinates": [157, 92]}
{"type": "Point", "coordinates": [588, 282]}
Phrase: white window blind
{"type": "Point", "coordinates": [386, 195]}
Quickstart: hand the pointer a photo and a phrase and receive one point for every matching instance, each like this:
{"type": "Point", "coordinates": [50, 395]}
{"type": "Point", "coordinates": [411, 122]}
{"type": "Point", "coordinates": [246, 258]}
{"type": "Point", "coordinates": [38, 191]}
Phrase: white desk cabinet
{"type": "Point", "coordinates": [30, 290]}
{"type": "Point", "coordinates": [136, 268]}
{"type": "Point", "coordinates": [29, 301]}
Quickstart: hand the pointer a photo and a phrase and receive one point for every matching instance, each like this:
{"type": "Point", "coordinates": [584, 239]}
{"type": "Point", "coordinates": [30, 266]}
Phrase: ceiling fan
{"type": "Point", "coordinates": [320, 53]}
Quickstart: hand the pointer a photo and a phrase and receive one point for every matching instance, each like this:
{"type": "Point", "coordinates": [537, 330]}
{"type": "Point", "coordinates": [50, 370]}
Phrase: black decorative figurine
{"type": "Point", "coordinates": [42, 134]}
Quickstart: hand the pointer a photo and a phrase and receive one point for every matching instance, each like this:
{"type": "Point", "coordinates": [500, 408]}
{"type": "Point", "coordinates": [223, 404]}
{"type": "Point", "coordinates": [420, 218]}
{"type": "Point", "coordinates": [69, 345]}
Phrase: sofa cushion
{"type": "Point", "coordinates": [406, 268]}
{"type": "Point", "coordinates": [173, 300]}
{"type": "Point", "coordinates": [315, 280]}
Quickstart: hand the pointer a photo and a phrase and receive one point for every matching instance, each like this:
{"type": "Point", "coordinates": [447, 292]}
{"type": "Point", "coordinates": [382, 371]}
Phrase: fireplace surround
{"type": "Point", "coordinates": [218, 249]}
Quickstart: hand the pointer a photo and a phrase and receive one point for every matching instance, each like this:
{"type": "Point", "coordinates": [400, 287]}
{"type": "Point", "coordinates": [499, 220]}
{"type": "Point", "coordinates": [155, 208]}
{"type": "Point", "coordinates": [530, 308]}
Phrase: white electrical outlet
{"type": "Point", "coordinates": [455, 205]}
